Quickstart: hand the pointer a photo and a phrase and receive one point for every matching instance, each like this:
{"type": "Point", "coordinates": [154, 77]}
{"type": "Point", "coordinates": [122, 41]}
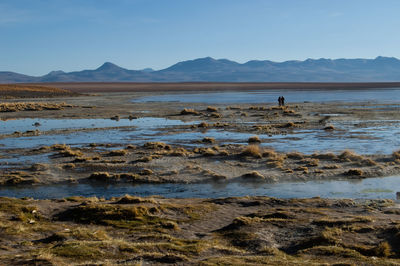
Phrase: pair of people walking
{"type": "Point", "coordinates": [281, 101]}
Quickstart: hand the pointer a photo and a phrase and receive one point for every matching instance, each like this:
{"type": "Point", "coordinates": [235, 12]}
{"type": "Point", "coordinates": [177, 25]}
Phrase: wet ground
{"type": "Point", "coordinates": [229, 172]}
{"type": "Point", "coordinates": [96, 125]}
{"type": "Point", "coordinates": [365, 137]}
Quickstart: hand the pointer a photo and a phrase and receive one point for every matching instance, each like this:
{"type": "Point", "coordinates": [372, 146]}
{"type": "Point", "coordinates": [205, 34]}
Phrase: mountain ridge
{"type": "Point", "coordinates": [208, 69]}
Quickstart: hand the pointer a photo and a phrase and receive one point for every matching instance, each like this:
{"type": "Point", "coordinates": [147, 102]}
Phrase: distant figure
{"type": "Point", "coordinates": [283, 101]}
{"type": "Point", "coordinates": [280, 101]}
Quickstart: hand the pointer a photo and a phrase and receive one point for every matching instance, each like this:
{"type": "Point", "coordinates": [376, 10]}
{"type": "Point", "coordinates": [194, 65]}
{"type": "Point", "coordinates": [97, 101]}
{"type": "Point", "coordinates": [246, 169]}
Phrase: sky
{"type": "Point", "coordinates": [39, 36]}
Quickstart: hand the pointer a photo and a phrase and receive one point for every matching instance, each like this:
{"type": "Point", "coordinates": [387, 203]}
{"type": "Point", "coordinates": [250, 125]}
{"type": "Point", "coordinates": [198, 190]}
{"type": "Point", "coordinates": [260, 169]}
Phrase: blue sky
{"type": "Point", "coordinates": [43, 35]}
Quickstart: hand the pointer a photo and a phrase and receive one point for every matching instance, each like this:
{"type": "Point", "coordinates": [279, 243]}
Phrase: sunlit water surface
{"type": "Point", "coordinates": [371, 188]}
{"type": "Point", "coordinates": [271, 96]}
{"type": "Point", "coordinates": [372, 138]}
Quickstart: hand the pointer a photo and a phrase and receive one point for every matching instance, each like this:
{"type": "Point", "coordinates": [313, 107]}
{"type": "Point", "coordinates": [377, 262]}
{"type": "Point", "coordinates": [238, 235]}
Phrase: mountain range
{"type": "Point", "coordinates": [380, 69]}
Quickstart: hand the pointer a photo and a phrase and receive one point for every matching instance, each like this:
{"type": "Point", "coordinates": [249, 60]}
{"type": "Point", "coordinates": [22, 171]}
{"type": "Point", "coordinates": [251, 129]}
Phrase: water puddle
{"type": "Point", "coordinates": [22, 125]}
{"type": "Point", "coordinates": [23, 160]}
{"type": "Point", "coordinates": [332, 115]}
{"type": "Point", "coordinates": [131, 131]}
{"type": "Point", "coordinates": [371, 188]}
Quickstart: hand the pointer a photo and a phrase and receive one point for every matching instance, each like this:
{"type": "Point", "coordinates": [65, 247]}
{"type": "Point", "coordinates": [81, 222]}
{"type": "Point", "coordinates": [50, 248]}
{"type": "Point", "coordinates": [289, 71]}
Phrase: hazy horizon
{"type": "Point", "coordinates": [192, 59]}
{"type": "Point", "coordinates": [42, 36]}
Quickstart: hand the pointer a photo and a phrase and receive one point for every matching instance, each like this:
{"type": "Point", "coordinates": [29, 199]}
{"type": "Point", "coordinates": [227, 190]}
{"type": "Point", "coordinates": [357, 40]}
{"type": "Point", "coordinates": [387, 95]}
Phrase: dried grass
{"type": "Point", "coordinates": [203, 125]}
{"type": "Point", "coordinates": [157, 145]}
{"type": "Point", "coordinates": [128, 199]}
{"type": "Point", "coordinates": [329, 128]}
{"type": "Point", "coordinates": [295, 155]}
{"type": "Point", "coordinates": [254, 139]}
{"type": "Point", "coordinates": [252, 151]}
{"type": "Point", "coordinates": [146, 172]}
{"type": "Point", "coordinates": [32, 106]}
{"type": "Point", "coordinates": [205, 151]}
{"type": "Point", "coordinates": [354, 172]}
{"type": "Point", "coordinates": [179, 152]}
{"type": "Point", "coordinates": [304, 169]}
{"type": "Point", "coordinates": [255, 175]}
{"type": "Point", "coordinates": [70, 153]}
{"type": "Point", "coordinates": [287, 125]}
{"type": "Point", "coordinates": [311, 162]}
{"type": "Point", "coordinates": [188, 111]}
{"type": "Point", "coordinates": [117, 153]}
{"type": "Point", "coordinates": [332, 166]}
{"type": "Point", "coordinates": [212, 109]}
{"type": "Point", "coordinates": [396, 155]}
{"type": "Point", "coordinates": [324, 156]}
{"type": "Point", "coordinates": [208, 140]}
{"type": "Point", "coordinates": [101, 176]}
{"type": "Point", "coordinates": [270, 154]}
{"type": "Point", "coordinates": [215, 115]}
{"type": "Point", "coordinates": [350, 156]}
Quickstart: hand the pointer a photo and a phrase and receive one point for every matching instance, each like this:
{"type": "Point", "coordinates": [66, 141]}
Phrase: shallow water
{"type": "Point", "coordinates": [271, 96]}
{"type": "Point", "coordinates": [131, 131]}
{"type": "Point", "coordinates": [22, 125]}
{"type": "Point", "coordinates": [371, 138]}
{"type": "Point", "coordinates": [17, 160]}
{"type": "Point", "coordinates": [371, 188]}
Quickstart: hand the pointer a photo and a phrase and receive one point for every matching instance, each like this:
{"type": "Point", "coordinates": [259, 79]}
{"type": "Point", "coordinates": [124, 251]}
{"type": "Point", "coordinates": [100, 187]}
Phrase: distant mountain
{"type": "Point", "coordinates": [106, 72]}
{"type": "Point", "coordinates": [147, 69]}
{"type": "Point", "coordinates": [380, 69]}
{"type": "Point", "coordinates": [12, 77]}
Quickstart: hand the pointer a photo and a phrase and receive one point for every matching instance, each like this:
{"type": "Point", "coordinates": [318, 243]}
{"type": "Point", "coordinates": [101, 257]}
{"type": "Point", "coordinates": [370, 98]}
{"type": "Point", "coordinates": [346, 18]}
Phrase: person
{"type": "Point", "coordinates": [280, 101]}
{"type": "Point", "coordinates": [283, 101]}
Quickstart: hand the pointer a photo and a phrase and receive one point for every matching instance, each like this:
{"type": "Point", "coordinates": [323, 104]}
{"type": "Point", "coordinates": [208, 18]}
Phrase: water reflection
{"type": "Point", "coordinates": [371, 138]}
{"type": "Point", "coordinates": [22, 125]}
{"type": "Point", "coordinates": [371, 188]}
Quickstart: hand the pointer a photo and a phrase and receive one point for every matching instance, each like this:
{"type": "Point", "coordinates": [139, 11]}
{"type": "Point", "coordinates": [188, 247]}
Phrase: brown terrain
{"type": "Point", "coordinates": [141, 231]}
{"type": "Point", "coordinates": [232, 231]}
{"type": "Point", "coordinates": [32, 91]}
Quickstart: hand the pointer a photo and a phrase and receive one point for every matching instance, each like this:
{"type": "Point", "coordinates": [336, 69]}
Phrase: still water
{"type": "Point", "coordinates": [371, 188]}
{"type": "Point", "coordinates": [372, 138]}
